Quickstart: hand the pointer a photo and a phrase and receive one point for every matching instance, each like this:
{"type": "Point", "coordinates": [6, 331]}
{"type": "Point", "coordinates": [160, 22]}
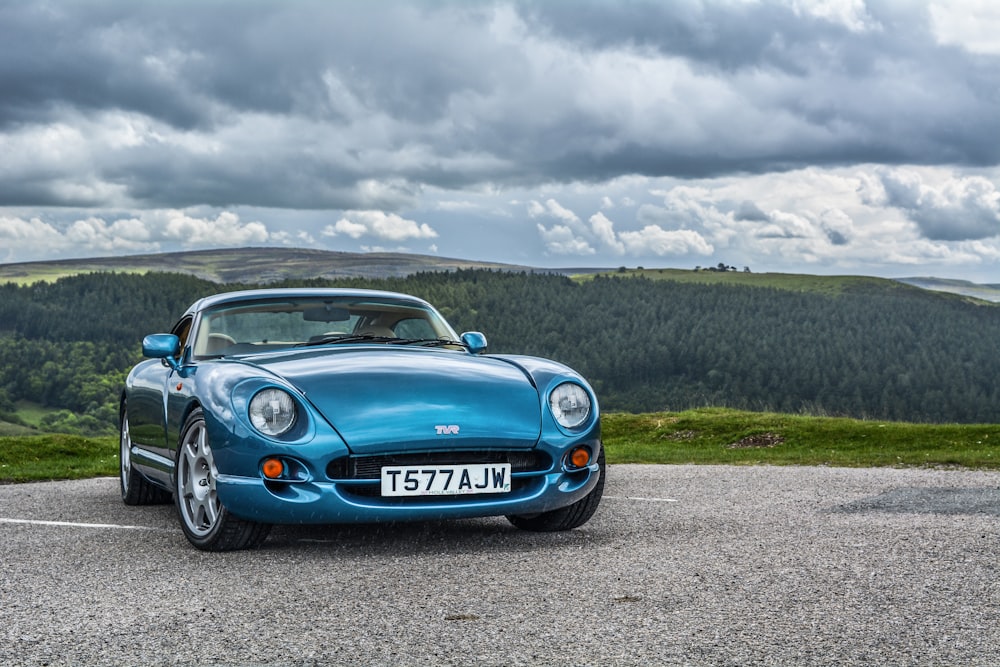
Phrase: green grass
{"type": "Point", "coordinates": [10, 429]}
{"type": "Point", "coordinates": [734, 437]}
{"type": "Point", "coordinates": [707, 436]}
{"type": "Point", "coordinates": [831, 285]}
{"type": "Point", "coordinates": [55, 456]}
{"type": "Point", "coordinates": [47, 274]}
{"type": "Point", "coordinates": [32, 413]}
{"type": "Point", "coordinates": [243, 265]}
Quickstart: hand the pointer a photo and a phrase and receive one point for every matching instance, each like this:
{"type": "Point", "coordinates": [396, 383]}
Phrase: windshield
{"type": "Point", "coordinates": [247, 328]}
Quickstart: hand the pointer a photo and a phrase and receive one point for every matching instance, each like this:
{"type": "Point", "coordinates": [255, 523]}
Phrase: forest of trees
{"type": "Point", "coordinates": [887, 353]}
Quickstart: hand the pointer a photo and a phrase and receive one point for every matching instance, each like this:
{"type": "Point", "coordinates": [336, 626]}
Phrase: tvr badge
{"type": "Point", "coordinates": [449, 429]}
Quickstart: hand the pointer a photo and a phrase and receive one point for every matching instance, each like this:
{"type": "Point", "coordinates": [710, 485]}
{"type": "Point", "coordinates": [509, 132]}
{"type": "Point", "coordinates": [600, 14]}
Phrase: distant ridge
{"type": "Point", "coordinates": [258, 266]}
{"type": "Point", "coordinates": [963, 287]}
{"type": "Point", "coordinates": [252, 265]}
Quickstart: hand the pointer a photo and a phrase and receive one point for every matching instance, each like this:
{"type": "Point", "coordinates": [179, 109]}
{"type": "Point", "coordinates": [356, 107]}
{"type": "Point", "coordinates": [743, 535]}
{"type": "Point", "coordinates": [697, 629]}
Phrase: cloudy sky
{"type": "Point", "coordinates": [816, 136]}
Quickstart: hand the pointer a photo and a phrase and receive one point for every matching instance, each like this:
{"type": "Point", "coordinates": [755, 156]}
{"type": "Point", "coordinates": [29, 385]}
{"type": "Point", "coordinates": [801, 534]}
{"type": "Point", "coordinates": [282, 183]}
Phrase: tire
{"type": "Point", "coordinates": [206, 523]}
{"type": "Point", "coordinates": [136, 489]}
{"type": "Point", "coordinates": [565, 518]}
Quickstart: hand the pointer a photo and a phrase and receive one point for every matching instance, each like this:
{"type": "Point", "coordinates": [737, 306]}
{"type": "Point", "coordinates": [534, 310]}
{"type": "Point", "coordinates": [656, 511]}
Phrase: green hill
{"type": "Point", "coordinates": [248, 265]}
{"type": "Point", "coordinates": [963, 287]}
{"type": "Point", "coordinates": [648, 340]}
{"type": "Point", "coordinates": [830, 285]}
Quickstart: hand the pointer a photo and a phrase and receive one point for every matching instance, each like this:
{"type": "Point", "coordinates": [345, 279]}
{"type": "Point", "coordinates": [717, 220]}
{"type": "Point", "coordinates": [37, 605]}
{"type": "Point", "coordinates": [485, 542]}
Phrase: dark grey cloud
{"type": "Point", "coordinates": [178, 62]}
{"type": "Point", "coordinates": [88, 57]}
{"type": "Point", "coordinates": [836, 237]}
{"type": "Point", "coordinates": [723, 36]}
{"type": "Point", "coordinates": [960, 210]}
{"type": "Point", "coordinates": [748, 210]}
{"type": "Point", "coordinates": [301, 104]}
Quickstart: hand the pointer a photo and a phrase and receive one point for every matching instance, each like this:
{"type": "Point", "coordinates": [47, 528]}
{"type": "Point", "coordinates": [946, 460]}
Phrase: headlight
{"type": "Point", "coordinates": [272, 411]}
{"type": "Point", "coordinates": [570, 404]}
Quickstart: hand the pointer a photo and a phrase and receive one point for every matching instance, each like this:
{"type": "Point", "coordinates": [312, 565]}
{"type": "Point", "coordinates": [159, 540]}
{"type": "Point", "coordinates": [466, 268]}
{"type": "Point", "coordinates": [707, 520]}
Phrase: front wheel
{"type": "Point", "coordinates": [206, 523]}
{"type": "Point", "coordinates": [565, 518]}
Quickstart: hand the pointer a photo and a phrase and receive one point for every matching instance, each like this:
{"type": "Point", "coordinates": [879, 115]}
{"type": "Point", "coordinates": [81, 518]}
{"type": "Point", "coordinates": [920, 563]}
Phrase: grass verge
{"type": "Point", "coordinates": [56, 456]}
{"type": "Point", "coordinates": [733, 437]}
{"type": "Point", "coordinates": [708, 436]}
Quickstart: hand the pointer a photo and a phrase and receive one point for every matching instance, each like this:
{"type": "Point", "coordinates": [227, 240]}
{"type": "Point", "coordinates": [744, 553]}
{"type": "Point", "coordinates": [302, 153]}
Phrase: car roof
{"type": "Point", "coordinates": [293, 292]}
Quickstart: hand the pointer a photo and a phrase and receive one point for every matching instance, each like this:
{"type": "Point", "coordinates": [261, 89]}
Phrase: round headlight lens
{"type": "Point", "coordinates": [272, 411]}
{"type": "Point", "coordinates": [570, 404]}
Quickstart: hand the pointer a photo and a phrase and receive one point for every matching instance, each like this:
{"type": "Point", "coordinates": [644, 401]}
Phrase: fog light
{"type": "Point", "coordinates": [273, 468]}
{"type": "Point", "coordinates": [580, 457]}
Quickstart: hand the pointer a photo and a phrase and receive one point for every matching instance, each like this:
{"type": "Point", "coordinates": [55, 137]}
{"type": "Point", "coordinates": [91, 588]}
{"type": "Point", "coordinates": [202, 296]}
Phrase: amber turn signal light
{"type": "Point", "coordinates": [580, 457]}
{"type": "Point", "coordinates": [273, 468]}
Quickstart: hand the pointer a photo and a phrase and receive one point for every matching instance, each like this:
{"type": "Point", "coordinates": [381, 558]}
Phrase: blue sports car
{"type": "Point", "coordinates": [317, 406]}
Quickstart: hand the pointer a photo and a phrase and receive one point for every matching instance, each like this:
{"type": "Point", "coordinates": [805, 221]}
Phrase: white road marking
{"type": "Point", "coordinates": [71, 524]}
{"type": "Point", "coordinates": [642, 499]}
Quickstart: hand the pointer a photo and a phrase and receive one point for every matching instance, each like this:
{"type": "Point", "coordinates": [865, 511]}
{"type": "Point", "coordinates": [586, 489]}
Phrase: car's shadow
{"type": "Point", "coordinates": [453, 536]}
{"type": "Point", "coordinates": [478, 535]}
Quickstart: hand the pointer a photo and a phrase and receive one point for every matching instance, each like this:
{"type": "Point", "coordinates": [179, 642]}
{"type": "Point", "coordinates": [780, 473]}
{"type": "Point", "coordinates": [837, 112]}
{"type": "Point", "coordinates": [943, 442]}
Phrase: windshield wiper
{"type": "Point", "coordinates": [353, 338]}
{"type": "Point", "coordinates": [428, 342]}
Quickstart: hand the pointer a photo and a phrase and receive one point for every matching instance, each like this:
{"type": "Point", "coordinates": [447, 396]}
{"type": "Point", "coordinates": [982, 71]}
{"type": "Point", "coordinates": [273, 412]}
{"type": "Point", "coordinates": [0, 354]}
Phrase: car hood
{"type": "Point", "coordinates": [383, 399]}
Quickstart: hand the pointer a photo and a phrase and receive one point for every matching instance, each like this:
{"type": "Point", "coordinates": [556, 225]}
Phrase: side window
{"type": "Point", "coordinates": [182, 329]}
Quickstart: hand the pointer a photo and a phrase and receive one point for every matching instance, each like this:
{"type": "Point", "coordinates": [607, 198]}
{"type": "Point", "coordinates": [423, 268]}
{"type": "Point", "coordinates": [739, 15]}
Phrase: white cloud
{"type": "Point", "coordinates": [573, 238]}
{"type": "Point", "coordinates": [852, 14]}
{"type": "Point", "coordinates": [654, 240]}
{"type": "Point", "coordinates": [128, 234]}
{"type": "Point", "coordinates": [810, 220]}
{"type": "Point", "coordinates": [16, 231]}
{"type": "Point", "coordinates": [455, 205]}
{"type": "Point", "coordinates": [951, 209]}
{"type": "Point", "coordinates": [148, 231]}
{"type": "Point", "coordinates": [568, 237]}
{"type": "Point", "coordinates": [553, 209]}
{"type": "Point", "coordinates": [971, 24]}
{"type": "Point", "coordinates": [225, 230]}
{"type": "Point", "coordinates": [604, 230]}
{"type": "Point", "coordinates": [560, 240]}
{"type": "Point", "coordinates": [783, 225]}
{"type": "Point", "coordinates": [386, 226]}
{"type": "Point", "coordinates": [344, 226]}
{"type": "Point", "coordinates": [535, 210]}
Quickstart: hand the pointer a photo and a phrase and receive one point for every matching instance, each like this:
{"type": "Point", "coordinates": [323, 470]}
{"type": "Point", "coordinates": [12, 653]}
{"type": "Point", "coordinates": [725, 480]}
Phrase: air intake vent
{"type": "Point", "coordinates": [370, 467]}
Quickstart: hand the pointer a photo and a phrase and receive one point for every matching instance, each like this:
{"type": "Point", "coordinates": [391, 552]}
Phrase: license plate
{"type": "Point", "coordinates": [439, 480]}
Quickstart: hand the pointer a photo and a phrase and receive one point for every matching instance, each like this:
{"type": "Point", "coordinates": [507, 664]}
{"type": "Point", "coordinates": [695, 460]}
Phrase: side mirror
{"type": "Point", "coordinates": [162, 346]}
{"type": "Point", "coordinates": [475, 341]}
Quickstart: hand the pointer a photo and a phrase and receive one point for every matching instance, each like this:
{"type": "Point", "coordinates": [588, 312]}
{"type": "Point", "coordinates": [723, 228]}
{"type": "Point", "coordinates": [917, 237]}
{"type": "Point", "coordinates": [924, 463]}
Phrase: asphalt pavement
{"type": "Point", "coordinates": [681, 565]}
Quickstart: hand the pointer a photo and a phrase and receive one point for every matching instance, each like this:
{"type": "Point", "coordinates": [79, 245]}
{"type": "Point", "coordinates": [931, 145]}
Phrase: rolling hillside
{"type": "Point", "coordinates": [262, 266]}
{"type": "Point", "coordinates": [249, 265]}
{"type": "Point", "coordinates": [963, 287]}
{"type": "Point", "coordinates": [648, 341]}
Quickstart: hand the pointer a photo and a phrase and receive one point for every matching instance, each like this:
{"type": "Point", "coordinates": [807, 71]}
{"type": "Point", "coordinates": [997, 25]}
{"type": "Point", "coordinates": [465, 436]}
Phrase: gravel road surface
{"type": "Point", "coordinates": [682, 565]}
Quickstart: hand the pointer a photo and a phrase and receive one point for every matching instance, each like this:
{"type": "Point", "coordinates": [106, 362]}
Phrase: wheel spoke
{"type": "Point", "coordinates": [125, 453]}
{"type": "Point", "coordinates": [210, 510]}
{"type": "Point", "coordinates": [190, 460]}
{"type": "Point", "coordinates": [186, 490]}
{"type": "Point", "coordinates": [196, 475]}
{"type": "Point", "coordinates": [200, 515]}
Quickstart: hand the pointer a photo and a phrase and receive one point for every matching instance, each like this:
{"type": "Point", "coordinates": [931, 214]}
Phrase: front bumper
{"type": "Point", "coordinates": [328, 502]}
